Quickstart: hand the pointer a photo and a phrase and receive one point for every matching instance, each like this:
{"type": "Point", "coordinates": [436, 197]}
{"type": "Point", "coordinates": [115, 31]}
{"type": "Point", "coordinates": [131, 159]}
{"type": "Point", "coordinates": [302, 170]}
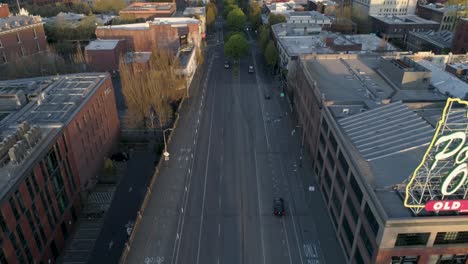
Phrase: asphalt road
{"type": "Point", "coordinates": [232, 153]}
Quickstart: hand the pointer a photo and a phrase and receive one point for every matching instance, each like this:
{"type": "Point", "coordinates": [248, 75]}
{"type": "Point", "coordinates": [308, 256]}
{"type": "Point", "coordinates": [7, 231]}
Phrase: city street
{"type": "Point", "coordinates": [232, 153]}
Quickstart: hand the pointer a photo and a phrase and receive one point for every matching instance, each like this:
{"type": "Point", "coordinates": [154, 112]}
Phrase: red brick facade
{"type": "Point", "coordinates": [22, 42]}
{"type": "Point", "coordinates": [148, 10]}
{"type": "Point", "coordinates": [4, 11]}
{"type": "Point", "coordinates": [460, 38]}
{"type": "Point", "coordinates": [101, 60]}
{"type": "Point", "coordinates": [144, 40]}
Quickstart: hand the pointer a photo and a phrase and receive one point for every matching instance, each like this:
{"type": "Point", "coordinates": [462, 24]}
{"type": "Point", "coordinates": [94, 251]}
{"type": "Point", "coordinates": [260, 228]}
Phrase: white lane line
{"type": "Point", "coordinates": [287, 240]}
{"type": "Point", "coordinates": [259, 207]}
{"type": "Point", "coordinates": [206, 176]}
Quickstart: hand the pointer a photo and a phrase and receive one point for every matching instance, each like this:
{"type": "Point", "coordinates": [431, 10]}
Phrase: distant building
{"type": "Point", "coordinates": [21, 36]}
{"type": "Point", "coordinates": [294, 40]}
{"type": "Point", "coordinates": [54, 134]}
{"type": "Point", "coordinates": [459, 69]}
{"type": "Point", "coordinates": [4, 10]}
{"type": "Point", "coordinates": [197, 13]}
{"type": "Point", "coordinates": [104, 54]}
{"type": "Point", "coordinates": [439, 42]}
{"type": "Point", "coordinates": [171, 32]}
{"type": "Point", "coordinates": [308, 17]}
{"type": "Point", "coordinates": [397, 27]}
{"type": "Point", "coordinates": [460, 38]}
{"type": "Point", "coordinates": [446, 16]}
{"type": "Point", "coordinates": [368, 122]}
{"type": "Point", "coordinates": [148, 10]}
{"type": "Point", "coordinates": [325, 7]}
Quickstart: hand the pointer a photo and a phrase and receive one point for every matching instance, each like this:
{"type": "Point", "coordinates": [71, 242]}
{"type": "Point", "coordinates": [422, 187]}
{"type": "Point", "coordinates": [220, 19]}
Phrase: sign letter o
{"type": "Point", "coordinates": [437, 206]}
{"type": "Point", "coordinates": [460, 169]}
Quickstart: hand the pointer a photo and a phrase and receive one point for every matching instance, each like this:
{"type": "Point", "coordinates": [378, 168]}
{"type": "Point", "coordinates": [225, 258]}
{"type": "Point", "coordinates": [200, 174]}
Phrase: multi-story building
{"type": "Point", "coordinates": [309, 17]}
{"type": "Point", "coordinates": [21, 36]}
{"type": "Point", "coordinates": [171, 32]}
{"type": "Point", "coordinates": [325, 7]}
{"type": "Point", "coordinates": [367, 123]}
{"type": "Point", "coordinates": [197, 13]}
{"type": "Point", "coordinates": [460, 38]}
{"type": "Point", "coordinates": [104, 54]}
{"type": "Point", "coordinates": [397, 27]}
{"type": "Point", "coordinates": [439, 42]}
{"type": "Point", "coordinates": [148, 10]}
{"type": "Point", "coordinates": [446, 16]}
{"type": "Point", "coordinates": [54, 132]}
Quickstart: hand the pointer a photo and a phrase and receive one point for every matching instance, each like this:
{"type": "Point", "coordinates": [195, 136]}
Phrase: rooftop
{"type": "Point", "coordinates": [137, 57]}
{"type": "Point", "coordinates": [174, 21]}
{"type": "Point", "coordinates": [324, 2]}
{"type": "Point", "coordinates": [191, 11]}
{"type": "Point", "coordinates": [295, 29]}
{"type": "Point", "coordinates": [102, 44]}
{"type": "Point", "coordinates": [35, 110]}
{"type": "Point", "coordinates": [439, 38]}
{"type": "Point", "coordinates": [8, 24]}
{"type": "Point", "coordinates": [311, 14]}
{"type": "Point", "coordinates": [407, 19]}
{"type": "Point", "coordinates": [443, 8]}
{"type": "Point", "coordinates": [145, 7]}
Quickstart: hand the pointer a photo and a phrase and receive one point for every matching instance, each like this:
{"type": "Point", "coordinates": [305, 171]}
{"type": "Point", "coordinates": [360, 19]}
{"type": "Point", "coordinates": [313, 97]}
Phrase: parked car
{"type": "Point", "coordinates": [226, 65]}
{"type": "Point", "coordinates": [278, 207]}
{"type": "Point", "coordinates": [120, 157]}
{"type": "Point", "coordinates": [267, 97]}
{"type": "Point", "coordinates": [251, 69]}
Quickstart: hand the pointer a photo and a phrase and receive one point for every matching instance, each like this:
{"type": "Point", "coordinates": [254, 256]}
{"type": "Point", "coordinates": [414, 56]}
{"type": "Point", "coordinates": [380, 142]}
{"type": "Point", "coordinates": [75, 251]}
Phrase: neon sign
{"type": "Point", "coordinates": [440, 182]}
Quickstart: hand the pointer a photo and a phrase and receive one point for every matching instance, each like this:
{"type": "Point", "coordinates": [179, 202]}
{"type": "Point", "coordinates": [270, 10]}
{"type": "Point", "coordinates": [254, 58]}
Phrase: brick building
{"type": "Point", "coordinates": [148, 10]}
{"type": "Point", "coordinates": [21, 36]}
{"type": "Point", "coordinates": [171, 32]}
{"type": "Point", "coordinates": [4, 10]}
{"type": "Point", "coordinates": [54, 133]}
{"type": "Point", "coordinates": [104, 54]}
{"type": "Point", "coordinates": [397, 27]}
{"type": "Point", "coordinates": [367, 122]}
{"type": "Point", "coordinates": [460, 38]}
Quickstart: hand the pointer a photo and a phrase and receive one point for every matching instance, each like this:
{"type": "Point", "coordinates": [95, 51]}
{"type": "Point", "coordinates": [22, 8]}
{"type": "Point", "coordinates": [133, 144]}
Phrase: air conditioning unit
{"type": "Point", "coordinates": [345, 111]}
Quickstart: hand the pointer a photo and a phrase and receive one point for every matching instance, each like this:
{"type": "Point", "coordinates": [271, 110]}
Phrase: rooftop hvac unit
{"type": "Point", "coordinates": [30, 139]}
{"type": "Point", "coordinates": [345, 111]}
{"type": "Point", "coordinates": [3, 150]}
{"type": "Point", "coordinates": [16, 153]}
{"type": "Point", "coordinates": [36, 132]}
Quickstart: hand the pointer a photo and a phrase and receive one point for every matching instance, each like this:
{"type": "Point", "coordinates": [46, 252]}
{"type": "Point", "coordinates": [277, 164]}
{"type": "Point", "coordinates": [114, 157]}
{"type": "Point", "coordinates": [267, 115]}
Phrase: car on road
{"type": "Point", "coordinates": [278, 207]}
{"type": "Point", "coordinates": [119, 157]}
{"type": "Point", "coordinates": [267, 97]}
{"type": "Point", "coordinates": [226, 65]}
{"type": "Point", "coordinates": [251, 69]}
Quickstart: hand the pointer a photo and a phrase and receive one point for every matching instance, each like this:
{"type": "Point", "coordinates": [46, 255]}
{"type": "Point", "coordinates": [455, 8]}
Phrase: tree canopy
{"type": "Point", "coordinates": [104, 6]}
{"type": "Point", "coordinates": [264, 36]}
{"type": "Point", "coordinates": [276, 18]}
{"type": "Point", "coordinates": [236, 20]}
{"type": "Point", "coordinates": [211, 13]}
{"type": "Point", "coordinates": [236, 46]}
{"type": "Point", "coordinates": [254, 15]}
{"type": "Point", "coordinates": [271, 54]}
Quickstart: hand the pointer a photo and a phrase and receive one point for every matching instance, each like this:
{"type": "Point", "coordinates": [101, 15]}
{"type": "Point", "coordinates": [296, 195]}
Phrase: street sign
{"type": "Point", "coordinates": [166, 155]}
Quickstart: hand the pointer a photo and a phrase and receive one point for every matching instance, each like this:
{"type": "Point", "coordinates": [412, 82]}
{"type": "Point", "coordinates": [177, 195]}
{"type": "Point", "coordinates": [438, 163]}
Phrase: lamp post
{"type": "Point", "coordinates": [165, 153]}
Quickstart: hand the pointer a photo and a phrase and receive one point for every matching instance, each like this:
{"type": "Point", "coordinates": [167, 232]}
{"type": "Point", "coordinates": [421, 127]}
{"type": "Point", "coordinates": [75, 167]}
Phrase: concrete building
{"type": "Point", "coordinates": [103, 54]}
{"type": "Point", "coordinates": [326, 7]}
{"type": "Point", "coordinates": [436, 41]}
{"type": "Point", "coordinates": [397, 27]}
{"type": "Point", "coordinates": [309, 17]}
{"type": "Point", "coordinates": [460, 38]}
{"type": "Point", "coordinates": [367, 122]}
{"type": "Point", "coordinates": [149, 10]}
{"type": "Point", "coordinates": [171, 32]}
{"type": "Point", "coordinates": [197, 13]}
{"type": "Point", "coordinates": [21, 36]}
{"type": "Point", "coordinates": [293, 40]}
{"type": "Point", "coordinates": [446, 16]}
{"type": "Point", "coordinates": [55, 132]}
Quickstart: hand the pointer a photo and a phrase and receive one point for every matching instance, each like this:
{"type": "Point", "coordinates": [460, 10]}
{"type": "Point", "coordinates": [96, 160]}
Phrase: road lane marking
{"type": "Point", "coordinates": [259, 207]}
{"type": "Point", "coordinates": [287, 240]}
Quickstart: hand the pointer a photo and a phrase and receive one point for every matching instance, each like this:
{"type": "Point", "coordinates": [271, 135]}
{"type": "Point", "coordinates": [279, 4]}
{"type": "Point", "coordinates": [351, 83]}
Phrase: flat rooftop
{"type": "Point", "coordinates": [102, 44]}
{"type": "Point", "coordinates": [11, 23]}
{"type": "Point", "coordinates": [443, 8]}
{"type": "Point", "coordinates": [190, 11]}
{"type": "Point", "coordinates": [52, 103]}
{"type": "Point", "coordinates": [406, 20]}
{"type": "Point", "coordinates": [145, 7]}
{"type": "Point", "coordinates": [385, 131]}
{"type": "Point", "coordinates": [439, 38]}
{"type": "Point", "coordinates": [174, 21]}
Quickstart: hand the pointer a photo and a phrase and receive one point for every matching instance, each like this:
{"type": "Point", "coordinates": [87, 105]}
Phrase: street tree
{"type": "Point", "coordinates": [210, 17]}
{"type": "Point", "coordinates": [236, 20]}
{"type": "Point", "coordinates": [264, 36]}
{"type": "Point", "coordinates": [236, 46]}
{"type": "Point", "coordinates": [227, 9]}
{"type": "Point", "coordinates": [276, 18]}
{"type": "Point", "coordinates": [271, 54]}
{"type": "Point", "coordinates": [106, 6]}
{"type": "Point", "coordinates": [254, 15]}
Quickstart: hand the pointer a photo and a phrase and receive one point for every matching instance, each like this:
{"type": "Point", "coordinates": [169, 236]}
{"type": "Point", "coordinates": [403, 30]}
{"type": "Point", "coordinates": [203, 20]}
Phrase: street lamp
{"type": "Point", "coordinates": [165, 153]}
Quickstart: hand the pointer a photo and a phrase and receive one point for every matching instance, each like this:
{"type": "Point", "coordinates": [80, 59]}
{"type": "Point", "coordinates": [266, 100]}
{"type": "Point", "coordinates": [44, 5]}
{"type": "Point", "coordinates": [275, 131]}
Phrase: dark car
{"type": "Point", "coordinates": [119, 157]}
{"type": "Point", "coordinates": [226, 65]}
{"type": "Point", "coordinates": [267, 97]}
{"type": "Point", "coordinates": [278, 207]}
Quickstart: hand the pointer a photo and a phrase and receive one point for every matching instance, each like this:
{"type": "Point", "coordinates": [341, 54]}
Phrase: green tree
{"type": "Point", "coordinates": [236, 20]}
{"type": "Point", "coordinates": [264, 36]}
{"type": "Point", "coordinates": [236, 46]}
{"type": "Point", "coordinates": [109, 6]}
{"type": "Point", "coordinates": [271, 54]}
{"type": "Point", "coordinates": [212, 6]}
{"type": "Point", "coordinates": [211, 13]}
{"type": "Point", "coordinates": [276, 18]}
{"type": "Point", "coordinates": [254, 15]}
{"type": "Point", "coordinates": [227, 9]}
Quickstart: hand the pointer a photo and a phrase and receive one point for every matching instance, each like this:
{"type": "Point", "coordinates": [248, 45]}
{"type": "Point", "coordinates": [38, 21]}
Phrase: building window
{"type": "Point", "coordinates": [3, 58]}
{"type": "Point", "coordinates": [336, 203]}
{"type": "Point", "coordinates": [452, 259]}
{"type": "Point", "coordinates": [343, 162]}
{"type": "Point", "coordinates": [29, 187]}
{"type": "Point", "coordinates": [443, 238]}
{"type": "Point", "coordinates": [333, 141]}
{"type": "Point", "coordinates": [352, 209]}
{"type": "Point", "coordinates": [327, 177]}
{"type": "Point", "coordinates": [18, 39]}
{"type": "Point", "coordinates": [405, 260]}
{"type": "Point", "coordinates": [412, 239]}
{"type": "Point", "coordinates": [20, 201]}
{"type": "Point", "coordinates": [2, 256]}
{"type": "Point", "coordinates": [19, 231]}
{"type": "Point", "coordinates": [51, 161]}
{"type": "Point", "coordinates": [34, 181]}
{"type": "Point", "coordinates": [366, 242]}
{"type": "Point", "coordinates": [356, 189]}
{"type": "Point", "coordinates": [373, 224]}
{"type": "Point", "coordinates": [348, 232]}
{"type": "Point", "coordinates": [3, 226]}
{"type": "Point", "coordinates": [13, 208]}
{"type": "Point", "coordinates": [1, 44]}
{"type": "Point", "coordinates": [357, 257]}
{"type": "Point", "coordinates": [38, 46]}
{"type": "Point", "coordinates": [34, 33]}
{"type": "Point", "coordinates": [339, 181]}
